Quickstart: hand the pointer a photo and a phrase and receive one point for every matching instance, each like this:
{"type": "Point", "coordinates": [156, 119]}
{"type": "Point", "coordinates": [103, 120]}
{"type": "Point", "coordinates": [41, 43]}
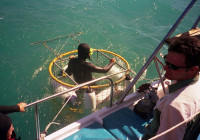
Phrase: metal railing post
{"type": "Point", "coordinates": [196, 23]}
{"type": "Point", "coordinates": [161, 79]}
{"type": "Point", "coordinates": [37, 122]}
{"type": "Point", "coordinates": [111, 95]}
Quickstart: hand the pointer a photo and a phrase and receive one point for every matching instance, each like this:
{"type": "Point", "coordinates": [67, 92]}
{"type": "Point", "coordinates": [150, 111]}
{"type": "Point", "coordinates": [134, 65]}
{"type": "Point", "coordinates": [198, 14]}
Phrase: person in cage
{"type": "Point", "coordinates": [183, 99]}
{"type": "Point", "coordinates": [81, 69]}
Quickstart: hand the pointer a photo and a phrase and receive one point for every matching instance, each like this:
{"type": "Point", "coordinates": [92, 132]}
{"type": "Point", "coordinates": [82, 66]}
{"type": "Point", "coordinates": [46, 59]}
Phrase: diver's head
{"type": "Point", "coordinates": [6, 127]}
{"type": "Point", "coordinates": [84, 51]}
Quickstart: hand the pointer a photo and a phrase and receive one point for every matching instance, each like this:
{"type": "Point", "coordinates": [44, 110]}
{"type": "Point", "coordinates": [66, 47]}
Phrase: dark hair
{"type": "Point", "coordinates": [83, 51]}
{"type": "Point", "coordinates": [5, 123]}
{"type": "Point", "coordinates": [189, 46]}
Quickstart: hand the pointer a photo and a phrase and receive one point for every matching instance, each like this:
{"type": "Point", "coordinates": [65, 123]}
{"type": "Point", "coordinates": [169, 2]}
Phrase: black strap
{"type": "Point", "coordinates": [193, 129]}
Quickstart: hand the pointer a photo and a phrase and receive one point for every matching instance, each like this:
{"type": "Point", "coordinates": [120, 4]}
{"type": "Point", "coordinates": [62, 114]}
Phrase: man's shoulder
{"type": "Point", "coordinates": [73, 60]}
{"type": "Point", "coordinates": [87, 63]}
{"type": "Point", "coordinates": [181, 100]}
{"type": "Point", "coordinates": [186, 100]}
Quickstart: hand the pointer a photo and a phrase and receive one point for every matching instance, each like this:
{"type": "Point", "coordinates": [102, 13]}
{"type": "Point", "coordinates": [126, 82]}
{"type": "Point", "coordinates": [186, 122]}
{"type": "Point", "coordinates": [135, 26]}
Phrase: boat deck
{"type": "Point", "coordinates": [122, 124]}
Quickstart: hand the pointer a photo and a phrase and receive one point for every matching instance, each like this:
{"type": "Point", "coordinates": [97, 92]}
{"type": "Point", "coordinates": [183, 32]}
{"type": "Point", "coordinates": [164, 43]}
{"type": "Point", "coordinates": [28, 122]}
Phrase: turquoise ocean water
{"type": "Point", "coordinates": [130, 28]}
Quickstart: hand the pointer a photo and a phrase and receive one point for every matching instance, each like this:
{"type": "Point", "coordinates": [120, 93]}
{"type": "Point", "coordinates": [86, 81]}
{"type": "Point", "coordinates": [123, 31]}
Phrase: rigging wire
{"type": "Point", "coordinates": [52, 122]}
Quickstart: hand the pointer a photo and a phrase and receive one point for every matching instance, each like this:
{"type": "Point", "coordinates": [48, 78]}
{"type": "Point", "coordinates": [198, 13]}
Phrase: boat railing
{"type": "Point", "coordinates": [35, 104]}
{"type": "Point", "coordinates": [154, 57]}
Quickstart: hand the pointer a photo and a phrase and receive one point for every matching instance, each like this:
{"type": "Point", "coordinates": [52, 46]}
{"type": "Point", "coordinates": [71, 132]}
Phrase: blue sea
{"type": "Point", "coordinates": [130, 28]}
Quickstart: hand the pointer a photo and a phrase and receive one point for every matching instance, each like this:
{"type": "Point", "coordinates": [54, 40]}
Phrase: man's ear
{"type": "Point", "coordinates": [194, 70]}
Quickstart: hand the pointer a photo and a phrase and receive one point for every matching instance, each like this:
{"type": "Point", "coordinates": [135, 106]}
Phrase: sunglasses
{"type": "Point", "coordinates": [171, 66]}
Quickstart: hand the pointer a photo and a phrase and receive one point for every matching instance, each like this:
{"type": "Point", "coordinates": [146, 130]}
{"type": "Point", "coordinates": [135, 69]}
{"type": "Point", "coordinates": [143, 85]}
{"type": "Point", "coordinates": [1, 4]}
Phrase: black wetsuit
{"type": "Point", "coordinates": [82, 70]}
{"type": "Point", "coordinates": [9, 109]}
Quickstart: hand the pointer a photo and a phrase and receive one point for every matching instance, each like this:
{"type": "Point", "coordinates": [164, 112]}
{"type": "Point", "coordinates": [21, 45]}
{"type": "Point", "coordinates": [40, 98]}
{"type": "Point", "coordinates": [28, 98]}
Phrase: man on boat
{"type": "Point", "coordinates": [183, 99]}
{"type": "Point", "coordinates": [81, 69]}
